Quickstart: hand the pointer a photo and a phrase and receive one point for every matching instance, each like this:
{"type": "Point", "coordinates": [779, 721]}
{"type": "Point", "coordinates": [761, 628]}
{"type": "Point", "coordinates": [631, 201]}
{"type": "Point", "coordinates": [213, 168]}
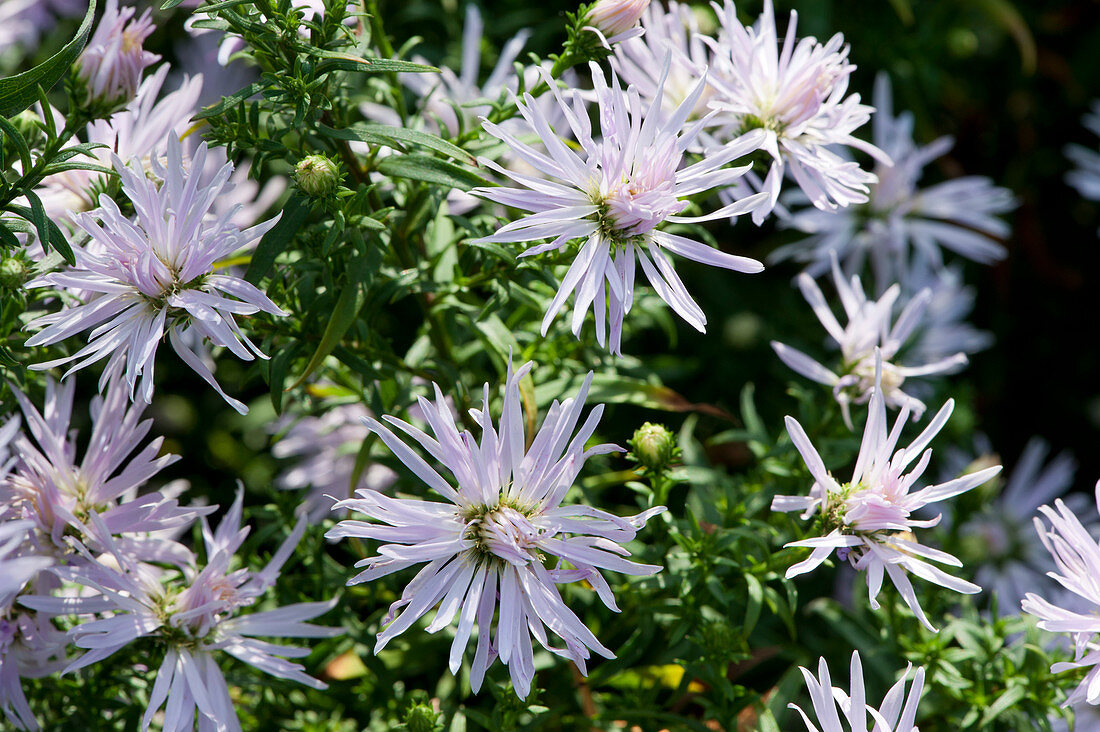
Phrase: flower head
{"type": "Point", "coordinates": [483, 548]}
{"type": "Point", "coordinates": [797, 95]}
{"type": "Point", "coordinates": [871, 330]}
{"type": "Point", "coordinates": [616, 20]}
{"type": "Point", "coordinates": [613, 195]}
{"type": "Point", "coordinates": [869, 519]}
{"type": "Point", "coordinates": [156, 274]}
{"type": "Point", "coordinates": [113, 61]}
{"type": "Point", "coordinates": [891, 716]}
{"type": "Point", "coordinates": [1076, 556]}
{"type": "Point", "coordinates": [903, 229]}
{"type": "Point", "coordinates": [195, 616]}
{"type": "Point", "coordinates": [1086, 178]}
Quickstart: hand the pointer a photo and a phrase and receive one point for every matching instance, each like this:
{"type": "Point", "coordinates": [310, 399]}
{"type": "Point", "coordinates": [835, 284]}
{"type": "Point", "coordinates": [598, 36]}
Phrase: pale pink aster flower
{"type": "Point", "coordinates": [484, 547]}
{"type": "Point", "coordinates": [57, 492]}
{"type": "Point", "coordinates": [21, 21]}
{"type": "Point", "coordinates": [944, 329]}
{"type": "Point", "coordinates": [31, 647]}
{"type": "Point", "coordinates": [1076, 555]}
{"type": "Point", "coordinates": [326, 447]}
{"type": "Point", "coordinates": [615, 21]}
{"type": "Point", "coordinates": [156, 274]}
{"type": "Point", "coordinates": [113, 61]}
{"type": "Point", "coordinates": [897, 713]}
{"type": "Point", "coordinates": [869, 518]}
{"type": "Point", "coordinates": [871, 329]}
{"type": "Point", "coordinates": [798, 95]}
{"type": "Point", "coordinates": [639, 61]}
{"type": "Point", "coordinates": [904, 229]}
{"type": "Point", "coordinates": [17, 565]}
{"type": "Point", "coordinates": [613, 194]}
{"type": "Point", "coordinates": [141, 131]}
{"type": "Point", "coordinates": [195, 621]}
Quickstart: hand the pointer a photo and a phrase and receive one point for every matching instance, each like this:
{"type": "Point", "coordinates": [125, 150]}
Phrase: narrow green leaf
{"type": "Point", "coordinates": [394, 136]}
{"type": "Point", "coordinates": [48, 233]}
{"type": "Point", "coordinates": [336, 61]}
{"type": "Point", "coordinates": [275, 241]}
{"type": "Point", "coordinates": [169, 4]}
{"type": "Point", "coordinates": [430, 170]}
{"type": "Point", "coordinates": [756, 603]}
{"type": "Point", "coordinates": [277, 377]}
{"type": "Point", "coordinates": [344, 314]}
{"type": "Point", "coordinates": [20, 144]}
{"type": "Point", "coordinates": [62, 167]}
{"type": "Point", "coordinates": [218, 6]}
{"type": "Point", "coordinates": [231, 101]}
{"type": "Point", "coordinates": [21, 91]}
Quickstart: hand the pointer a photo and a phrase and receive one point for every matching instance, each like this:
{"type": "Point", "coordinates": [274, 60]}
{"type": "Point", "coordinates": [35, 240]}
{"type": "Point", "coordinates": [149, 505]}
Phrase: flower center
{"type": "Point", "coordinates": [503, 533]}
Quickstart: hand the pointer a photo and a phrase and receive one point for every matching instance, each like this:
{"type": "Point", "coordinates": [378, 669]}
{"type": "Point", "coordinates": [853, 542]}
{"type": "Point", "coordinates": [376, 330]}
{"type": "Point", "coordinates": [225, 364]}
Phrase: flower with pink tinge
{"type": "Point", "coordinates": [871, 329]}
{"type": "Point", "coordinates": [611, 195]}
{"type": "Point", "coordinates": [903, 230]}
{"type": "Point", "coordinates": [484, 547]}
{"type": "Point", "coordinates": [156, 274]}
{"type": "Point", "coordinates": [113, 61]}
{"type": "Point", "coordinates": [869, 518]}
{"type": "Point", "coordinates": [31, 647]}
{"type": "Point", "coordinates": [196, 617]}
{"type": "Point", "coordinates": [897, 713]}
{"type": "Point", "coordinates": [56, 492]}
{"type": "Point", "coordinates": [326, 447]}
{"type": "Point", "coordinates": [616, 20]}
{"type": "Point", "coordinates": [1076, 555]}
{"type": "Point", "coordinates": [798, 96]}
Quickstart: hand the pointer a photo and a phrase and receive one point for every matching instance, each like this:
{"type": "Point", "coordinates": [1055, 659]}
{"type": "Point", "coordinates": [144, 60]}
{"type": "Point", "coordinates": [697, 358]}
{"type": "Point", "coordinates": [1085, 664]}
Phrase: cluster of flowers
{"type": "Point", "coordinates": [736, 113]}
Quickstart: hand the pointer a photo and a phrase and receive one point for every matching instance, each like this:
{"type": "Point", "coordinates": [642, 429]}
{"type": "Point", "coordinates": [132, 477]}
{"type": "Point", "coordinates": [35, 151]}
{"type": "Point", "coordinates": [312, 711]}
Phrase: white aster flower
{"type": "Point", "coordinates": [1076, 555]}
{"type": "Point", "coordinates": [798, 95]}
{"type": "Point", "coordinates": [869, 518]}
{"type": "Point", "coordinates": [615, 21]}
{"type": "Point", "coordinates": [326, 447]}
{"type": "Point", "coordinates": [31, 647]}
{"type": "Point", "coordinates": [944, 329]}
{"type": "Point", "coordinates": [871, 329]}
{"type": "Point", "coordinates": [156, 274]}
{"type": "Point", "coordinates": [613, 194]}
{"type": "Point", "coordinates": [897, 713]}
{"type": "Point", "coordinates": [484, 547]}
{"type": "Point", "coordinates": [639, 61]}
{"type": "Point", "coordinates": [56, 491]}
{"type": "Point", "coordinates": [113, 61]}
{"type": "Point", "coordinates": [195, 621]}
{"type": "Point", "coordinates": [904, 229]}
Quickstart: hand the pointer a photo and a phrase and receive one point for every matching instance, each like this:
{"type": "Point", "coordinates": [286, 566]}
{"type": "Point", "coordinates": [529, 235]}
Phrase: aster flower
{"type": "Point", "coordinates": [869, 331]}
{"type": "Point", "coordinates": [195, 621]}
{"type": "Point", "coordinates": [615, 21]}
{"type": "Point", "coordinates": [639, 61]}
{"type": "Point", "coordinates": [613, 194]}
{"type": "Point", "coordinates": [868, 519]}
{"type": "Point", "coordinates": [56, 492]}
{"type": "Point", "coordinates": [1076, 556]}
{"type": "Point", "coordinates": [1086, 179]}
{"type": "Point", "coordinates": [326, 447]}
{"type": "Point", "coordinates": [1013, 559]}
{"type": "Point", "coordinates": [944, 329]}
{"type": "Point", "coordinates": [22, 21]}
{"type": "Point", "coordinates": [17, 567]}
{"type": "Point", "coordinates": [798, 96]}
{"type": "Point", "coordinates": [484, 546]}
{"type": "Point", "coordinates": [891, 716]}
{"type": "Point", "coordinates": [903, 229]}
{"type": "Point", "coordinates": [31, 647]}
{"type": "Point", "coordinates": [113, 61]}
{"type": "Point", "coordinates": [156, 274]}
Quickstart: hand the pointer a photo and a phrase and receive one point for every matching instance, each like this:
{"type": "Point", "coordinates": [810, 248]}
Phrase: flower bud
{"type": "Point", "coordinates": [113, 62]}
{"type": "Point", "coordinates": [421, 717]}
{"type": "Point", "coordinates": [614, 17]}
{"type": "Point", "coordinates": [13, 273]}
{"type": "Point", "coordinates": [27, 124]}
{"type": "Point", "coordinates": [317, 175]}
{"type": "Point", "coordinates": [653, 446]}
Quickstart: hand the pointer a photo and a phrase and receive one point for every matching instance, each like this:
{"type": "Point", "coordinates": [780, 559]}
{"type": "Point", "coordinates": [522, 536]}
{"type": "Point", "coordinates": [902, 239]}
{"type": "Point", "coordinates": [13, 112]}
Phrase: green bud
{"type": "Point", "coordinates": [653, 446]}
{"type": "Point", "coordinates": [13, 273]}
{"type": "Point", "coordinates": [317, 175]}
{"type": "Point", "coordinates": [421, 718]}
{"type": "Point", "coordinates": [26, 123]}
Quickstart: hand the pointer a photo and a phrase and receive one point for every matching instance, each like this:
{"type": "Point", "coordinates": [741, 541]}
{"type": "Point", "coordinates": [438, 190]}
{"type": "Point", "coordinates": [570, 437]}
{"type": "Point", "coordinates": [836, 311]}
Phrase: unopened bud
{"type": "Point", "coordinates": [653, 446]}
{"type": "Point", "coordinates": [13, 273]}
{"type": "Point", "coordinates": [421, 718]}
{"type": "Point", "coordinates": [615, 17]}
{"type": "Point", "coordinates": [27, 124]}
{"type": "Point", "coordinates": [114, 61]}
{"type": "Point", "coordinates": [317, 175]}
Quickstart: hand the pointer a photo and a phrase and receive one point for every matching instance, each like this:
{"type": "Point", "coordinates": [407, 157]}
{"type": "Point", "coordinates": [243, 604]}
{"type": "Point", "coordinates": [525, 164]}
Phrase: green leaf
{"type": "Point", "coordinates": [169, 4]}
{"type": "Point", "coordinates": [395, 136]}
{"type": "Point", "coordinates": [344, 314]}
{"type": "Point", "coordinates": [339, 61]}
{"type": "Point", "coordinates": [62, 167]}
{"type": "Point", "coordinates": [231, 101]}
{"type": "Point", "coordinates": [275, 241]}
{"type": "Point", "coordinates": [1004, 702]}
{"type": "Point", "coordinates": [21, 91]}
{"type": "Point", "coordinates": [48, 233]}
{"type": "Point", "coordinates": [430, 170]}
{"type": "Point", "coordinates": [20, 144]}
